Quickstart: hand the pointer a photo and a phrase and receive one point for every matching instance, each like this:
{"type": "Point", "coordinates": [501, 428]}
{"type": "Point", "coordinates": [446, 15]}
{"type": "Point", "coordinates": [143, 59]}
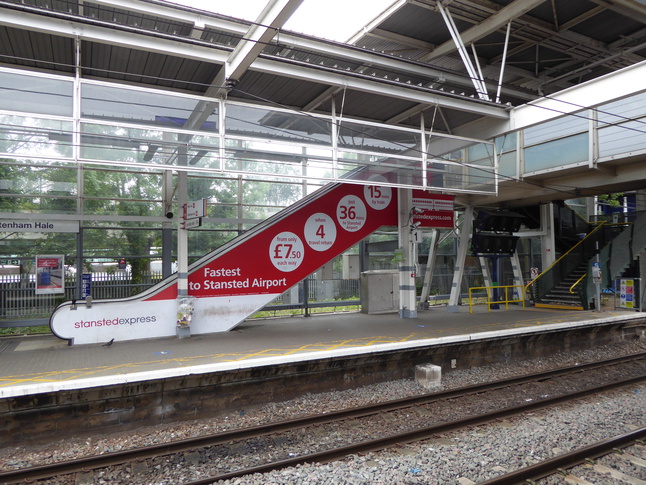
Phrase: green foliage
{"type": "Point", "coordinates": [613, 200]}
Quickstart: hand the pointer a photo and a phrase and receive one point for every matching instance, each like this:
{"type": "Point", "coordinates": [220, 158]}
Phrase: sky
{"type": "Point", "coordinates": [330, 19]}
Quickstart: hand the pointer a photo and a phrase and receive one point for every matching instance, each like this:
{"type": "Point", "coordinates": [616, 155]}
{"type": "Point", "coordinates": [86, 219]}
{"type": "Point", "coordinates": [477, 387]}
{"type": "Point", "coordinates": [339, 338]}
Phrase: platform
{"type": "Point", "coordinates": [33, 364]}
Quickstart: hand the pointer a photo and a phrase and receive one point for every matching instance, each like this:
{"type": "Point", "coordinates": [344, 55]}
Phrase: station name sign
{"type": "Point", "coordinates": [38, 226]}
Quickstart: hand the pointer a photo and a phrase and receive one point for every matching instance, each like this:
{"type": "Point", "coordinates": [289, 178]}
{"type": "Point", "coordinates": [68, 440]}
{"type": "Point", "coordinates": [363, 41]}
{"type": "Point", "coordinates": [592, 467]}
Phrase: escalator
{"type": "Point", "coordinates": [236, 280]}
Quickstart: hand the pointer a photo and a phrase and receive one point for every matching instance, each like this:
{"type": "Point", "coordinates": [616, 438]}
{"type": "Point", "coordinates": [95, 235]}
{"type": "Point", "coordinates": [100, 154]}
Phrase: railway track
{"type": "Point", "coordinates": [614, 450]}
{"type": "Point", "coordinates": [511, 396]}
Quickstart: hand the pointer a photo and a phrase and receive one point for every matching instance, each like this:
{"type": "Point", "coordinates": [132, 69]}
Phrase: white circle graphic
{"type": "Point", "coordinates": [286, 251]}
{"type": "Point", "coordinates": [320, 232]}
{"type": "Point", "coordinates": [351, 213]}
{"type": "Point", "coordinates": [377, 197]}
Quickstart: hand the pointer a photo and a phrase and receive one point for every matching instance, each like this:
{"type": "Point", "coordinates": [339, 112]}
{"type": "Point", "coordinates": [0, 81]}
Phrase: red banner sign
{"type": "Point", "coordinates": [437, 210]}
{"type": "Point", "coordinates": [281, 255]}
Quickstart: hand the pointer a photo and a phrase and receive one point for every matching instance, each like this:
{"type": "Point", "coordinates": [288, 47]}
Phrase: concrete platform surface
{"type": "Point", "coordinates": [32, 364]}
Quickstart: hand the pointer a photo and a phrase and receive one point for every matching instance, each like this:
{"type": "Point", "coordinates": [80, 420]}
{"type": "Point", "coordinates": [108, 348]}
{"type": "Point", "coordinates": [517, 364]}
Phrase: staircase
{"type": "Point", "coordinates": [560, 296]}
{"type": "Point", "coordinates": [551, 289]}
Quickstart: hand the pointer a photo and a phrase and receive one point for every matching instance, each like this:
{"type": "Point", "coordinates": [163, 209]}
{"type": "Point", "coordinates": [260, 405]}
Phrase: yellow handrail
{"type": "Point", "coordinates": [601, 224]}
{"type": "Point", "coordinates": [490, 302]}
{"type": "Point", "coordinates": [577, 282]}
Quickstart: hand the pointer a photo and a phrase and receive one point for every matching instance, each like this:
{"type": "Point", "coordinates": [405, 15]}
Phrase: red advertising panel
{"type": "Point", "coordinates": [50, 274]}
{"type": "Point", "coordinates": [437, 210]}
{"type": "Point", "coordinates": [286, 252]}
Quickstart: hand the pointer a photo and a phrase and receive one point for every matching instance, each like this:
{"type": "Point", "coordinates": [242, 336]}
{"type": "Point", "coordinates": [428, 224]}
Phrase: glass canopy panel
{"type": "Point", "coordinates": [35, 137]}
{"type": "Point", "coordinates": [622, 138]}
{"type": "Point", "coordinates": [558, 128]}
{"type": "Point", "coordinates": [264, 168]}
{"type": "Point", "coordinates": [139, 145]}
{"type": "Point", "coordinates": [507, 159]}
{"type": "Point", "coordinates": [506, 142]}
{"type": "Point", "coordinates": [557, 153]}
{"type": "Point", "coordinates": [122, 207]}
{"type": "Point", "coordinates": [379, 139]}
{"type": "Point", "coordinates": [507, 165]}
{"type": "Point", "coordinates": [36, 94]}
{"type": "Point", "coordinates": [622, 110]}
{"type": "Point", "coordinates": [37, 189]}
{"type": "Point", "coordinates": [456, 177]}
{"type": "Point", "coordinates": [259, 122]}
{"type": "Point", "coordinates": [123, 104]}
{"type": "Point", "coordinates": [116, 185]}
{"type": "Point", "coordinates": [394, 170]}
{"type": "Point", "coordinates": [481, 172]}
{"type": "Point", "coordinates": [462, 164]}
{"type": "Point", "coordinates": [277, 158]}
{"type": "Point", "coordinates": [479, 178]}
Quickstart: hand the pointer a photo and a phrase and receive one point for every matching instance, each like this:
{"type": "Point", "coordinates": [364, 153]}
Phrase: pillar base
{"type": "Point", "coordinates": [183, 332]}
{"type": "Point", "coordinates": [405, 313]}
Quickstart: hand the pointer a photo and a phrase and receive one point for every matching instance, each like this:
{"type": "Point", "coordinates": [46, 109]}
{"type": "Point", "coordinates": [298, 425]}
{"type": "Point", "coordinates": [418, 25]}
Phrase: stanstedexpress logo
{"type": "Point", "coordinates": [107, 322]}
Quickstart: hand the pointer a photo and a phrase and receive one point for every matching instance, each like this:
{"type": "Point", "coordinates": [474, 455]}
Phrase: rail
{"type": "Point", "coordinates": [235, 435]}
{"type": "Point", "coordinates": [491, 291]}
{"type": "Point", "coordinates": [559, 464]}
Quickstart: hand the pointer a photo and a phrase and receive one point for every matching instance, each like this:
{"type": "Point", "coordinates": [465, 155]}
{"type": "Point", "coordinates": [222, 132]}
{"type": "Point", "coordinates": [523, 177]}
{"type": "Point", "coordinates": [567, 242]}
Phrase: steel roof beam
{"type": "Point", "coordinates": [270, 21]}
{"type": "Point", "coordinates": [132, 38]}
{"type": "Point", "coordinates": [320, 47]}
{"type": "Point", "coordinates": [486, 27]}
{"type": "Point", "coordinates": [630, 8]}
{"type": "Point", "coordinates": [349, 81]}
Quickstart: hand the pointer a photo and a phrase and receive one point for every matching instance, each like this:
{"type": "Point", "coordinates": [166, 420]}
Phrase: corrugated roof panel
{"type": "Point", "coordinates": [55, 5]}
{"type": "Point", "coordinates": [565, 11]}
{"type": "Point", "coordinates": [148, 68]}
{"type": "Point", "coordinates": [136, 19]}
{"type": "Point", "coordinates": [220, 38]}
{"type": "Point", "coordinates": [278, 90]}
{"type": "Point", "coordinates": [420, 23]}
{"type": "Point", "coordinates": [35, 49]}
{"type": "Point", "coordinates": [362, 105]}
{"type": "Point", "coordinates": [136, 60]}
{"type": "Point", "coordinates": [609, 27]}
{"type": "Point", "coordinates": [386, 46]}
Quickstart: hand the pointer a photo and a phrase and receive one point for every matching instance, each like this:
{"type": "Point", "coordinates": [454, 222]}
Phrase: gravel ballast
{"type": "Point", "coordinates": [460, 458]}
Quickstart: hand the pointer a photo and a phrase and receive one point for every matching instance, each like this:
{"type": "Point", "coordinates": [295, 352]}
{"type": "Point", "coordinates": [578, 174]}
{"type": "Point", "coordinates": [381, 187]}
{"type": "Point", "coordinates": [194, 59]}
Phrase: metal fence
{"type": "Point", "coordinates": [19, 301]}
{"type": "Point", "coordinates": [20, 306]}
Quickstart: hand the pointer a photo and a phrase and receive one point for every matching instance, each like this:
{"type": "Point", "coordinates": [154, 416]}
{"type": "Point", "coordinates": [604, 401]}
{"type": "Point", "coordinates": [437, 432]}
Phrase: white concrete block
{"type": "Point", "coordinates": [428, 375]}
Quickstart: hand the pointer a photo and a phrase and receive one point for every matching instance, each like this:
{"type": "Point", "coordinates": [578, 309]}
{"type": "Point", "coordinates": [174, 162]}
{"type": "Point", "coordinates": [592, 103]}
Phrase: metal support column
{"type": "Point", "coordinates": [430, 268]}
{"type": "Point", "coordinates": [167, 225]}
{"type": "Point", "coordinates": [518, 275]}
{"type": "Point", "coordinates": [407, 292]}
{"type": "Point", "coordinates": [182, 232]}
{"type": "Point", "coordinates": [463, 247]}
{"type": "Point", "coordinates": [548, 245]}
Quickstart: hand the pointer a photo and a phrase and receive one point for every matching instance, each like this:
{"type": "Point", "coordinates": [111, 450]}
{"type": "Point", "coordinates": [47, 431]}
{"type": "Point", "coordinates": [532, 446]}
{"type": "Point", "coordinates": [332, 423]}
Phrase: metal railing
{"type": "Point", "coordinates": [493, 296]}
{"type": "Point", "coordinates": [21, 306]}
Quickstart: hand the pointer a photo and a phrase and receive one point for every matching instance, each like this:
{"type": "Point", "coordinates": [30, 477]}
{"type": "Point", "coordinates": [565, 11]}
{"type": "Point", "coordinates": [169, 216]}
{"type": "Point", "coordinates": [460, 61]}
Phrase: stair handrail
{"type": "Point", "coordinates": [598, 226]}
{"type": "Point", "coordinates": [577, 282]}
